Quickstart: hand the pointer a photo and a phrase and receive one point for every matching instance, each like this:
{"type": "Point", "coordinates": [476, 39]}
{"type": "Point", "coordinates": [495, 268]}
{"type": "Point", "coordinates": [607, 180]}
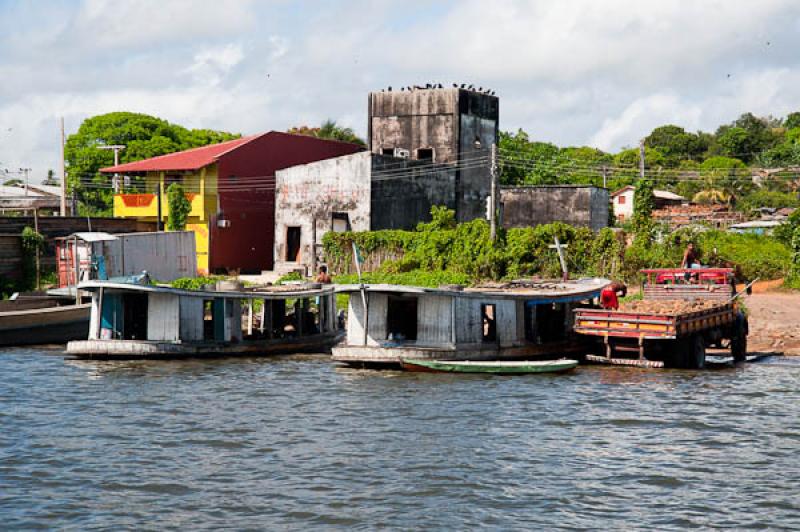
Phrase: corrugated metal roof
{"type": "Point", "coordinates": [94, 236]}
{"type": "Point", "coordinates": [17, 192]}
{"type": "Point", "coordinates": [193, 159]}
{"type": "Point", "coordinates": [665, 194]}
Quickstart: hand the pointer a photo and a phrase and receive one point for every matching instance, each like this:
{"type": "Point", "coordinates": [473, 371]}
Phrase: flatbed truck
{"type": "Point", "coordinates": [678, 340]}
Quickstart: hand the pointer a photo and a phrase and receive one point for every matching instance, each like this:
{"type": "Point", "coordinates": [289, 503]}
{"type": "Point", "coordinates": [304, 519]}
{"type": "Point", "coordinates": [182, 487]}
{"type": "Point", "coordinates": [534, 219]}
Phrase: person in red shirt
{"type": "Point", "coordinates": [609, 296]}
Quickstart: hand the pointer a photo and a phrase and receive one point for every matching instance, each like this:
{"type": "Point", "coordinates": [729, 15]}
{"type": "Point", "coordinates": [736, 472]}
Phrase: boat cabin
{"type": "Point", "coordinates": [130, 320]}
{"type": "Point", "coordinates": [512, 321]}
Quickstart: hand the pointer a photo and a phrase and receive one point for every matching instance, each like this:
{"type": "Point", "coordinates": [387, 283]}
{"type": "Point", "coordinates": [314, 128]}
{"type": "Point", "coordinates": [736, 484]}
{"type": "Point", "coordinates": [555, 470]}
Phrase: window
{"type": "Point", "coordinates": [388, 152]}
{"type": "Point", "coordinates": [340, 222]}
{"type": "Point", "coordinates": [621, 200]}
{"type": "Point", "coordinates": [425, 154]}
{"type": "Point", "coordinates": [401, 319]}
{"type": "Point", "coordinates": [489, 323]}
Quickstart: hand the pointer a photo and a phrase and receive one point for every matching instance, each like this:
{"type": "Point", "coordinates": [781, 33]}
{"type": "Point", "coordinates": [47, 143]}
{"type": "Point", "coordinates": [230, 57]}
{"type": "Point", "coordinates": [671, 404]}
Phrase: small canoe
{"type": "Point", "coordinates": [500, 367]}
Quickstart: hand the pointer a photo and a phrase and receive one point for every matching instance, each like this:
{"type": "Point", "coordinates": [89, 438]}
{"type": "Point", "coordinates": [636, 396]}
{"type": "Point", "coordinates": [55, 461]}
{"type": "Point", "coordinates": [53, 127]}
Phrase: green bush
{"type": "Point", "coordinates": [195, 283]}
{"type": "Point", "coordinates": [438, 252]}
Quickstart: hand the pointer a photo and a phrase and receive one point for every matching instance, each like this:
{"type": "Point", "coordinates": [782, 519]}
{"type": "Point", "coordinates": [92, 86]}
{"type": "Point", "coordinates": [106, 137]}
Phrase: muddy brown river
{"type": "Point", "coordinates": [298, 443]}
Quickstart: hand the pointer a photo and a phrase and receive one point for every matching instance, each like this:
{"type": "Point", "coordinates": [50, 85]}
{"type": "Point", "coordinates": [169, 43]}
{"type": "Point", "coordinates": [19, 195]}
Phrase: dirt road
{"type": "Point", "coordinates": [774, 322]}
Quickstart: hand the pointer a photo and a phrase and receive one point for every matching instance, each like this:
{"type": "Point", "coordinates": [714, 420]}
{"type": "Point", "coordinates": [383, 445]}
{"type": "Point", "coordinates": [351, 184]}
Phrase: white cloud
{"type": "Point", "coordinates": [571, 72]}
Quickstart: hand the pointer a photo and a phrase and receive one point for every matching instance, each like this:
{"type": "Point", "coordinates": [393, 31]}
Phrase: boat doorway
{"type": "Point", "coordinates": [551, 322]}
{"type": "Point", "coordinates": [134, 312]}
{"type": "Point", "coordinates": [401, 319]}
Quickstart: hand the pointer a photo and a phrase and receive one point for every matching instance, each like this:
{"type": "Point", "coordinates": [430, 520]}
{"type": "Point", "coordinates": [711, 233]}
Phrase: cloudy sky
{"type": "Point", "coordinates": [573, 72]}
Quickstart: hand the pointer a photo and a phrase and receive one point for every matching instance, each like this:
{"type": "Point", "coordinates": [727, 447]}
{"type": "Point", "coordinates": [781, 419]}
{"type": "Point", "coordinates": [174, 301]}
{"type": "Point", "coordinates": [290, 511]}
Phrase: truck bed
{"type": "Point", "coordinates": [651, 326]}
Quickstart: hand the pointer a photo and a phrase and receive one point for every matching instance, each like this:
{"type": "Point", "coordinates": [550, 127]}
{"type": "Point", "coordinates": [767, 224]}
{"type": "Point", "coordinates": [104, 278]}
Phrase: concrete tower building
{"type": "Point", "coordinates": [444, 127]}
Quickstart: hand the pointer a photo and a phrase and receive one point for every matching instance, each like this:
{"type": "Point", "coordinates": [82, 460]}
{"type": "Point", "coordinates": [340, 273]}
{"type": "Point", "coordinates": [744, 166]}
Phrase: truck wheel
{"type": "Point", "coordinates": [739, 348]}
{"type": "Point", "coordinates": [696, 352]}
{"type": "Point", "coordinates": [677, 354]}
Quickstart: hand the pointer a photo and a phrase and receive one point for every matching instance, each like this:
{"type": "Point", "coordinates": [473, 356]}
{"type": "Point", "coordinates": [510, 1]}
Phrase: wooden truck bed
{"type": "Point", "coordinates": [649, 326]}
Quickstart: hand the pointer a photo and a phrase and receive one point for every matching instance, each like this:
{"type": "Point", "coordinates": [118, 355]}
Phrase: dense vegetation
{"type": "Point", "coordinates": [442, 251]}
{"type": "Point", "coordinates": [329, 130]}
{"type": "Point", "coordinates": [705, 167]}
{"type": "Point", "coordinates": [144, 136]}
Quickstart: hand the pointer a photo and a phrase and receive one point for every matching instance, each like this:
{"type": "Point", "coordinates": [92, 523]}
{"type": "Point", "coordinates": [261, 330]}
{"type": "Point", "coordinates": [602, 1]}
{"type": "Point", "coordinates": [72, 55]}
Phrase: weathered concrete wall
{"type": "Point", "coordinates": [449, 121]}
{"type": "Point", "coordinates": [403, 192]}
{"type": "Point", "coordinates": [413, 120]}
{"type": "Point", "coordinates": [581, 206]}
{"type": "Point", "coordinates": [307, 196]}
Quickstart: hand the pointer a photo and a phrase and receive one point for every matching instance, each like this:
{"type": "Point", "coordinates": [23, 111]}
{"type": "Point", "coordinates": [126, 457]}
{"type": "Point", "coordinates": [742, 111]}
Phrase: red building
{"type": "Point", "coordinates": [231, 187]}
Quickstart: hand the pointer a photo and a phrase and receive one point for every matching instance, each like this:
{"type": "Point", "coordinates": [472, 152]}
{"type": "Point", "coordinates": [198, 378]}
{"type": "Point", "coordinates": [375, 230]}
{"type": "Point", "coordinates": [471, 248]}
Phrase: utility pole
{"type": "Point", "coordinates": [493, 200]}
{"type": "Point", "coordinates": [25, 173]}
{"type": "Point", "coordinates": [641, 159]}
{"type": "Point", "coordinates": [158, 207]}
{"type": "Point", "coordinates": [63, 174]}
{"type": "Point", "coordinates": [117, 148]}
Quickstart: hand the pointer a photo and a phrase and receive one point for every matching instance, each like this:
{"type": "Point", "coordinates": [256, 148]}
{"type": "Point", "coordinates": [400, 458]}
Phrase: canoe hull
{"type": "Point", "coordinates": [490, 367]}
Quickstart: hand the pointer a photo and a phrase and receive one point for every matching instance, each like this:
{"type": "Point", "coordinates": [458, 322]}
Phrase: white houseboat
{"type": "Point", "coordinates": [145, 321]}
{"type": "Point", "coordinates": [516, 321]}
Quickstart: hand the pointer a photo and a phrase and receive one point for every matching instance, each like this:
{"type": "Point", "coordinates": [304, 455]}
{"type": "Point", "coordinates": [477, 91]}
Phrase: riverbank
{"type": "Point", "coordinates": [774, 322]}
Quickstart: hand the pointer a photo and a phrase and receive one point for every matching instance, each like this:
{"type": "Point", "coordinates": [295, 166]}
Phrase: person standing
{"type": "Point", "coordinates": [689, 257]}
{"type": "Point", "coordinates": [609, 296]}
{"type": "Point", "coordinates": [323, 276]}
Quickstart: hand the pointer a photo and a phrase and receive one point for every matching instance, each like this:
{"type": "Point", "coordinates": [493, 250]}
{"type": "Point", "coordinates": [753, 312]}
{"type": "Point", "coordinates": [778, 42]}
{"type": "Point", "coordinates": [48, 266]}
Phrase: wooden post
{"type": "Point", "coordinates": [38, 262]}
{"type": "Point", "coordinates": [269, 319]}
{"type": "Point", "coordinates": [313, 246]}
{"type": "Point", "coordinates": [561, 258]}
{"type": "Point", "coordinates": [100, 296]}
{"type": "Point", "coordinates": [250, 317]}
{"type": "Point", "coordinates": [263, 310]}
{"type": "Point", "coordinates": [75, 267]}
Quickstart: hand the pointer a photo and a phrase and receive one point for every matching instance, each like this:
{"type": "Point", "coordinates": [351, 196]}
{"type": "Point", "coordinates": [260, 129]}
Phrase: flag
{"type": "Point", "coordinates": [358, 260]}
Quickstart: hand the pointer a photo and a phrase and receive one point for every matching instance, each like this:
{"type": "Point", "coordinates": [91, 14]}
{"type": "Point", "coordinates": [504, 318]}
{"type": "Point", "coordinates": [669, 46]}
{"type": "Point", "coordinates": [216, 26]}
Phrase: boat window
{"type": "Point", "coordinates": [489, 322]}
{"type": "Point", "coordinates": [401, 319]}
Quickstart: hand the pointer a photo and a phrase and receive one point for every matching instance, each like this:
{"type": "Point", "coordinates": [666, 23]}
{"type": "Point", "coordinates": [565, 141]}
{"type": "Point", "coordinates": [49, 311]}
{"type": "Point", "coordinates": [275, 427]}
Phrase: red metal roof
{"type": "Point", "coordinates": [193, 159]}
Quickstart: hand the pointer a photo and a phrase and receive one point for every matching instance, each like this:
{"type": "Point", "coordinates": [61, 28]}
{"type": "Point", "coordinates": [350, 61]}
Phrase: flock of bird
{"type": "Point", "coordinates": [440, 86]}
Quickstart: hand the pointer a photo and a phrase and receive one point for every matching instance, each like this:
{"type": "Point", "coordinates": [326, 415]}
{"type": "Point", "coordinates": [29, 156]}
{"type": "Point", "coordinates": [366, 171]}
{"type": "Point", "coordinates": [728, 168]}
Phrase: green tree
{"type": "Point", "coordinates": [329, 130]}
{"type": "Point", "coordinates": [792, 120]}
{"type": "Point", "coordinates": [51, 178]}
{"type": "Point", "coordinates": [144, 136]}
{"type": "Point", "coordinates": [179, 207]}
{"type": "Point", "coordinates": [722, 180]}
{"type": "Point", "coordinates": [526, 162]}
{"type": "Point", "coordinates": [676, 144]}
{"type": "Point", "coordinates": [643, 204]}
{"type": "Point", "coordinates": [747, 136]}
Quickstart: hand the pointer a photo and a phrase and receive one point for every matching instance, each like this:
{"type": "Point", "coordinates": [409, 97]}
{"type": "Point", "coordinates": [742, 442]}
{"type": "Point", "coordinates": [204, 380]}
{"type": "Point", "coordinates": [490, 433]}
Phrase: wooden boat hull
{"type": "Point", "coordinates": [496, 367]}
{"type": "Point", "coordinates": [391, 357]}
{"type": "Point", "coordinates": [44, 325]}
{"type": "Point", "coordinates": [143, 349]}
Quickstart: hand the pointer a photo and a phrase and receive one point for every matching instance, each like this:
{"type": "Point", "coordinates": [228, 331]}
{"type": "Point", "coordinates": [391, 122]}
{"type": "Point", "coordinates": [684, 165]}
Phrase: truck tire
{"type": "Point", "coordinates": [739, 339]}
{"type": "Point", "coordinates": [677, 353]}
{"type": "Point", "coordinates": [696, 352]}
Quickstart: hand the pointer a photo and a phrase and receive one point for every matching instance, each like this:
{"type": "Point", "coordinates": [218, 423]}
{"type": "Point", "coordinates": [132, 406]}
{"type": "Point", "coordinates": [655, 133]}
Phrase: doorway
{"type": "Point", "coordinates": [134, 312]}
{"type": "Point", "coordinates": [293, 244]}
{"type": "Point", "coordinates": [401, 319]}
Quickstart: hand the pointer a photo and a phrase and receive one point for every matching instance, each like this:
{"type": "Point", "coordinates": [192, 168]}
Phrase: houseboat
{"type": "Point", "coordinates": [130, 321]}
{"type": "Point", "coordinates": [520, 320]}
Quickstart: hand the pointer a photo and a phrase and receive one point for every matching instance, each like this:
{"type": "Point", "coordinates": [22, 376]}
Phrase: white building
{"type": "Point", "coordinates": [622, 200]}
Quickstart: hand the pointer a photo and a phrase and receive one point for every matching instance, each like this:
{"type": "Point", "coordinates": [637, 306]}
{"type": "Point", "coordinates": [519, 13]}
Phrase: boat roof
{"type": "Point", "coordinates": [526, 290]}
{"type": "Point", "coordinates": [260, 292]}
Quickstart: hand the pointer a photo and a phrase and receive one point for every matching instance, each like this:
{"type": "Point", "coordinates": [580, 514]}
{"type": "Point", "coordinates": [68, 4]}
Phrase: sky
{"type": "Point", "coordinates": [573, 72]}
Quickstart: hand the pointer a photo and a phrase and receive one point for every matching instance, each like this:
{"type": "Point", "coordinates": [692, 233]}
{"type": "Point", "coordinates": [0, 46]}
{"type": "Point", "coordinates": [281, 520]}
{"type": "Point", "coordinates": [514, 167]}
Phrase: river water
{"type": "Point", "coordinates": [298, 443]}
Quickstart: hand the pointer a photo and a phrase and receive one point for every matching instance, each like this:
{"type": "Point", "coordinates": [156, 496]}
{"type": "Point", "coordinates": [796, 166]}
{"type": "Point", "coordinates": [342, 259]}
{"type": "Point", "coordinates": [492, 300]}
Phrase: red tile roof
{"type": "Point", "coordinates": [193, 159]}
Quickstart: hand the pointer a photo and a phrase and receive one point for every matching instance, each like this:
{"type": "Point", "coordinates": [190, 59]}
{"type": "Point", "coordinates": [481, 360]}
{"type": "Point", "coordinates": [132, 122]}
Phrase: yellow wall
{"type": "Point", "coordinates": [204, 205]}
